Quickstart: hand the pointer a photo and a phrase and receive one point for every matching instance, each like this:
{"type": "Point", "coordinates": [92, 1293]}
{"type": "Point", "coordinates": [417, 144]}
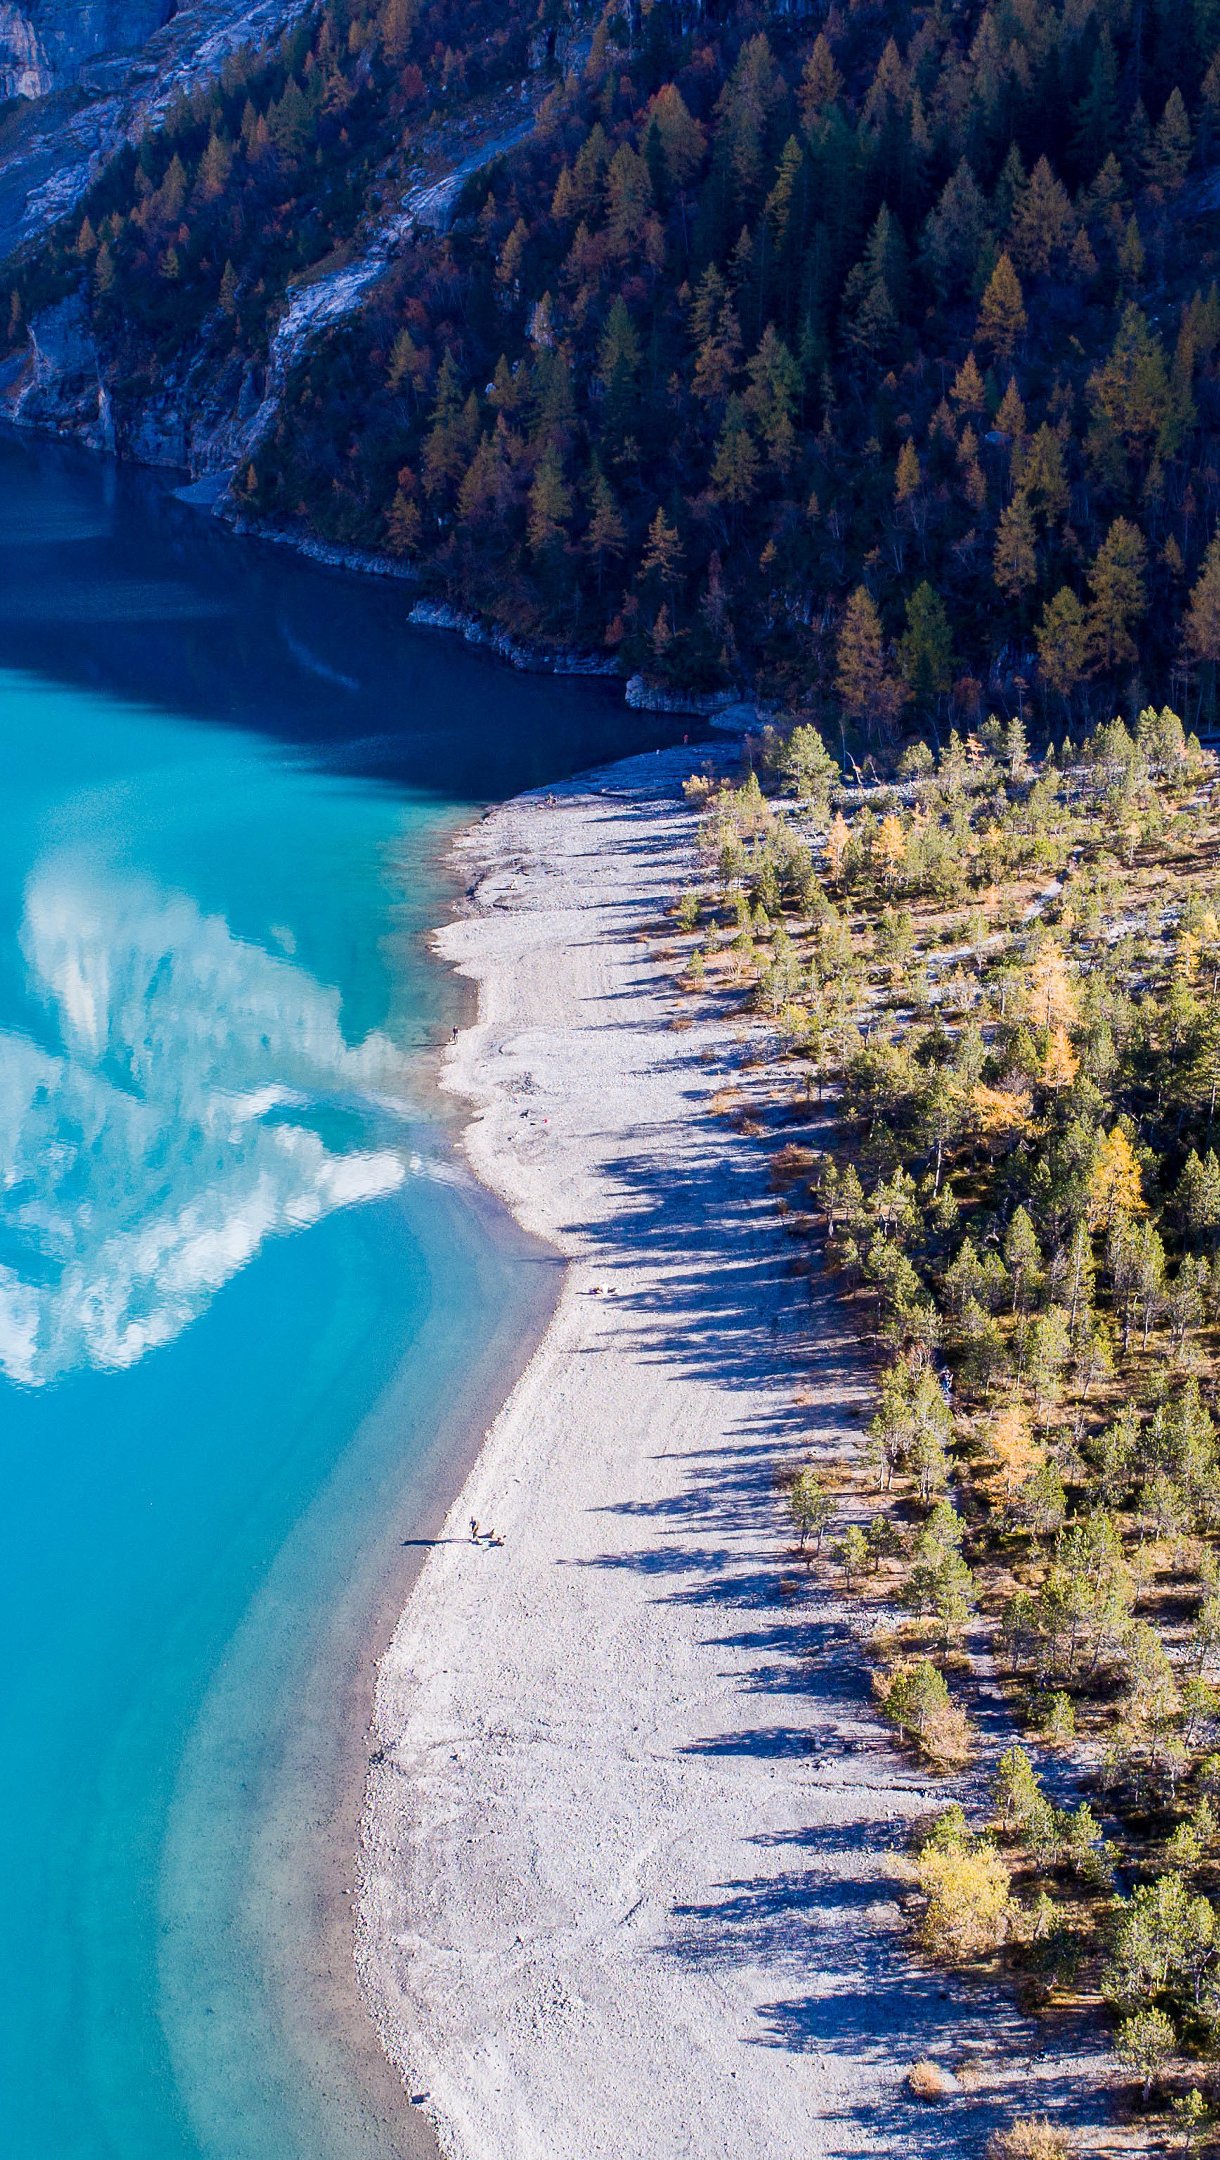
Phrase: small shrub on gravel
{"type": "Point", "coordinates": [915, 1697]}
{"type": "Point", "coordinates": [1030, 2137]}
{"type": "Point", "coordinates": [928, 2081]}
{"type": "Point", "coordinates": [1145, 2044]}
{"type": "Point", "coordinates": [966, 1884]}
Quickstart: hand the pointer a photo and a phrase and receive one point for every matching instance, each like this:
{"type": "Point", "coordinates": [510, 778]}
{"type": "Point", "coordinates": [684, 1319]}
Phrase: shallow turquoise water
{"type": "Point", "coordinates": [248, 1302]}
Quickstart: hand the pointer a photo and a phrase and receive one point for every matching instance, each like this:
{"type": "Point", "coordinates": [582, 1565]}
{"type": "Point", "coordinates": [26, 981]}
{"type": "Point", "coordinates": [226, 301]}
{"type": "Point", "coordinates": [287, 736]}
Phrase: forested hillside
{"type": "Point", "coordinates": [987, 1034]}
{"type": "Point", "coordinates": [184, 251]}
{"type": "Point", "coordinates": [876, 363]}
{"type": "Point", "coordinates": [867, 359]}
{"type": "Point", "coordinates": [872, 359]}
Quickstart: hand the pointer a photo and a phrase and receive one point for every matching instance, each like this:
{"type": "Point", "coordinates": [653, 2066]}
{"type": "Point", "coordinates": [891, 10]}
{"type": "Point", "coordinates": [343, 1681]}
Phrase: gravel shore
{"type": "Point", "coordinates": [630, 1843]}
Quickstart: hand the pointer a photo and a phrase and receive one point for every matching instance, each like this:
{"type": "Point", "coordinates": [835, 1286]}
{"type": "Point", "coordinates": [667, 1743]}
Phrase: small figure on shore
{"type": "Point", "coordinates": [453, 1037]}
{"type": "Point", "coordinates": [474, 1529]}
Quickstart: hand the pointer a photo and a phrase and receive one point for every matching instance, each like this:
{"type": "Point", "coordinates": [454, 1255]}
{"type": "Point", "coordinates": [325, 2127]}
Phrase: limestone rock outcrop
{"type": "Point", "coordinates": [46, 45]}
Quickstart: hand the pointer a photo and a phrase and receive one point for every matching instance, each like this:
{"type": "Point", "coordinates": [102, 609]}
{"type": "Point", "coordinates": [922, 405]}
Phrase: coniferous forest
{"type": "Point", "coordinates": [864, 357]}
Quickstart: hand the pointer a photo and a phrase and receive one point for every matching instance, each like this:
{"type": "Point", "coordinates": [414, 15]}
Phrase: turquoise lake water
{"type": "Point", "coordinates": [250, 1306]}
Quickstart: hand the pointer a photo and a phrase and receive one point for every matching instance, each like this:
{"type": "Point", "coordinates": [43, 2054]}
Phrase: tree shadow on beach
{"type": "Point", "coordinates": [725, 1301]}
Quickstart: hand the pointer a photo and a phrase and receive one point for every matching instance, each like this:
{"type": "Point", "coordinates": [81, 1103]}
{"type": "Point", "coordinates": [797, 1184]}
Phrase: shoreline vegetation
{"type": "Point", "coordinates": [531, 656]}
{"type": "Point", "coordinates": [724, 709]}
{"type": "Point", "coordinates": [637, 1849]}
{"type": "Point", "coordinates": [875, 1126]}
{"type": "Point", "coordinates": [994, 988]}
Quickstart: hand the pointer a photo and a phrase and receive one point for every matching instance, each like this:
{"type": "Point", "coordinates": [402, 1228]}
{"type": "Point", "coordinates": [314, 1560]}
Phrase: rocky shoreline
{"type": "Point", "coordinates": [62, 354]}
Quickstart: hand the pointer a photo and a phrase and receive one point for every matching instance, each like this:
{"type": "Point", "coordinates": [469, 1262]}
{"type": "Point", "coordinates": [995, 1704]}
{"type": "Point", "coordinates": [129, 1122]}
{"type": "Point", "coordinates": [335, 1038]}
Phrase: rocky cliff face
{"type": "Point", "coordinates": [46, 44]}
{"type": "Point", "coordinates": [84, 100]}
{"type": "Point", "coordinates": [56, 386]}
{"type": "Point", "coordinates": [209, 419]}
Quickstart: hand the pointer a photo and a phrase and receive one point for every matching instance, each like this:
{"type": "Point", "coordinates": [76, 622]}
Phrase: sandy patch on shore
{"type": "Point", "coordinates": [629, 1882]}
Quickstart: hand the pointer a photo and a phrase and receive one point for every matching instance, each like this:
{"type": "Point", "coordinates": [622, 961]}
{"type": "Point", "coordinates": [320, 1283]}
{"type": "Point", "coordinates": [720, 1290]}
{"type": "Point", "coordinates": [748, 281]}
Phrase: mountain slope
{"type": "Point", "coordinates": [162, 320]}
{"type": "Point", "coordinates": [53, 147]}
{"type": "Point", "coordinates": [870, 359]}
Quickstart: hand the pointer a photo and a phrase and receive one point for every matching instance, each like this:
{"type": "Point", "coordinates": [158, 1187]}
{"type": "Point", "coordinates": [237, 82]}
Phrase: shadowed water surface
{"type": "Point", "coordinates": [251, 1309]}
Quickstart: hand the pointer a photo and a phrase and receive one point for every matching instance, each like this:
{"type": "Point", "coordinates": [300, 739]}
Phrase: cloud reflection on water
{"type": "Point", "coordinates": [148, 1156]}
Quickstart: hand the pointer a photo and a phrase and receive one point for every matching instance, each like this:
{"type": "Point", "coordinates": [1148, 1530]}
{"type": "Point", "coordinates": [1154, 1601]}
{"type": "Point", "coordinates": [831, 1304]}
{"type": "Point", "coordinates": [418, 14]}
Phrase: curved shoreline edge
{"type": "Point", "coordinates": [628, 1845]}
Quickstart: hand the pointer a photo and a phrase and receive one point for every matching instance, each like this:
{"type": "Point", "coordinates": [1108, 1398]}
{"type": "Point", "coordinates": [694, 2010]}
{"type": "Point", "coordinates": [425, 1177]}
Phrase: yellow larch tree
{"type": "Point", "coordinates": [891, 846]}
{"type": "Point", "coordinates": [836, 844]}
{"type": "Point", "coordinates": [907, 475]}
{"type": "Point", "coordinates": [1115, 1185]}
{"type": "Point", "coordinates": [1013, 1447]}
{"type": "Point", "coordinates": [1050, 996]}
{"type": "Point", "coordinates": [1002, 317]}
{"type": "Point", "coordinates": [1061, 1064]}
{"type": "Point", "coordinates": [998, 1114]}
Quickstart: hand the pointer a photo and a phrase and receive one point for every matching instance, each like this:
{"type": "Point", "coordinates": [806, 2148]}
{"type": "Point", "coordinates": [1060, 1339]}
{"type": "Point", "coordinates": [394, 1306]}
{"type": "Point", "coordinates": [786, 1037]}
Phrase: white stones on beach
{"type": "Point", "coordinates": [645, 1886]}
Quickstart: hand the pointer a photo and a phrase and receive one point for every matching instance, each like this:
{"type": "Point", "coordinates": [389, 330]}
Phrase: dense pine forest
{"type": "Point", "coordinates": [865, 358]}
